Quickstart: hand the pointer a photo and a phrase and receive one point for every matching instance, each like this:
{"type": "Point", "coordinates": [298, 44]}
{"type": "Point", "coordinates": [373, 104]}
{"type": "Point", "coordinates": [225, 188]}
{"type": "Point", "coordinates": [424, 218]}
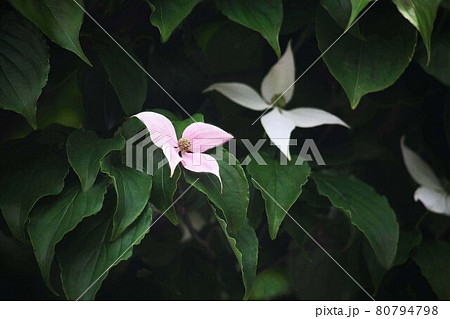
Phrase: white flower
{"type": "Point", "coordinates": [278, 123]}
{"type": "Point", "coordinates": [431, 192]}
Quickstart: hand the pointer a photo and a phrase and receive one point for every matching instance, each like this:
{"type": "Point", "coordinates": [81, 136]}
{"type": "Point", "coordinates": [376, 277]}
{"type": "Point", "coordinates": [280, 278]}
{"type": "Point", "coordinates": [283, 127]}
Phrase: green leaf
{"type": "Point", "coordinates": [280, 185]}
{"type": "Point", "coordinates": [49, 223]}
{"type": "Point", "coordinates": [87, 257]}
{"type": "Point", "coordinates": [24, 66]}
{"type": "Point", "coordinates": [53, 106]}
{"type": "Point", "coordinates": [341, 11]}
{"type": "Point", "coordinates": [367, 210]}
{"type": "Point", "coordinates": [244, 244]}
{"type": "Point", "coordinates": [365, 66]}
{"type": "Point", "coordinates": [85, 150]}
{"type": "Point", "coordinates": [168, 14]}
{"type": "Point", "coordinates": [421, 14]}
{"type": "Point", "coordinates": [132, 189]}
{"type": "Point", "coordinates": [433, 259]}
{"type": "Point", "coordinates": [406, 242]}
{"type": "Point", "coordinates": [270, 284]}
{"type": "Point", "coordinates": [30, 174]}
{"type": "Point", "coordinates": [60, 21]}
{"type": "Point", "coordinates": [264, 16]}
{"type": "Point", "coordinates": [439, 66]}
{"type": "Point", "coordinates": [128, 80]}
{"type": "Point", "coordinates": [164, 187]}
{"type": "Point", "coordinates": [234, 198]}
{"type": "Point", "coordinates": [357, 7]}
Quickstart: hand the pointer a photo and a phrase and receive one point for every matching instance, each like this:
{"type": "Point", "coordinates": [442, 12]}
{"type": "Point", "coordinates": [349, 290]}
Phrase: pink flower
{"type": "Point", "coordinates": [195, 140]}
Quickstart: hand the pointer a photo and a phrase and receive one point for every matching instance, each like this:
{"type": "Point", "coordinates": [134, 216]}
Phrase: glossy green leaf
{"type": "Point", "coordinates": [87, 257]}
{"type": "Point", "coordinates": [132, 189]}
{"type": "Point", "coordinates": [270, 284]}
{"type": "Point", "coordinates": [421, 14]}
{"type": "Point", "coordinates": [50, 222]}
{"type": "Point", "coordinates": [62, 104]}
{"type": "Point", "coordinates": [127, 79]}
{"type": "Point", "coordinates": [280, 185]}
{"type": "Point", "coordinates": [367, 210]}
{"type": "Point", "coordinates": [60, 21]}
{"type": "Point", "coordinates": [244, 244]}
{"type": "Point", "coordinates": [433, 259]}
{"type": "Point", "coordinates": [264, 16]}
{"type": "Point", "coordinates": [24, 66]}
{"type": "Point", "coordinates": [85, 150]}
{"type": "Point", "coordinates": [439, 65]}
{"type": "Point", "coordinates": [30, 174]}
{"type": "Point", "coordinates": [234, 198]}
{"type": "Point", "coordinates": [365, 66]}
{"type": "Point", "coordinates": [168, 14]}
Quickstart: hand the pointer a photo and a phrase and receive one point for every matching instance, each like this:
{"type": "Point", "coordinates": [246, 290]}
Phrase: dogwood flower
{"type": "Point", "coordinates": [195, 140]}
{"type": "Point", "coordinates": [277, 90]}
{"type": "Point", "coordinates": [431, 192]}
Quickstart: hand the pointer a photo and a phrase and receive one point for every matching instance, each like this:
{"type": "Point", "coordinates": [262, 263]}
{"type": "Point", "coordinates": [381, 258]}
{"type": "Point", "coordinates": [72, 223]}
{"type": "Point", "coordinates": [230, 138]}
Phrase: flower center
{"type": "Point", "coordinates": [279, 101]}
{"type": "Point", "coordinates": [184, 144]}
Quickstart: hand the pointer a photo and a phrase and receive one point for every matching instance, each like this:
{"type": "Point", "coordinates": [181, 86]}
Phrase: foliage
{"type": "Point", "coordinates": [79, 222]}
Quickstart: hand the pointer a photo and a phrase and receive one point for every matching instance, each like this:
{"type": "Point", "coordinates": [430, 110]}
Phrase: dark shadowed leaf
{"type": "Point", "coordinates": [51, 221]}
{"type": "Point", "coordinates": [316, 277]}
{"type": "Point", "coordinates": [85, 150]}
{"type": "Point", "coordinates": [60, 21]}
{"type": "Point", "coordinates": [128, 80]}
{"type": "Point", "coordinates": [29, 173]}
{"type": "Point", "coordinates": [367, 210]}
{"type": "Point", "coordinates": [265, 17]}
{"type": "Point", "coordinates": [132, 189]}
{"type": "Point", "coordinates": [62, 104]}
{"type": "Point", "coordinates": [406, 242]}
{"type": "Point", "coordinates": [280, 185]}
{"type": "Point", "coordinates": [433, 259]}
{"type": "Point", "coordinates": [86, 259]}
{"type": "Point", "coordinates": [439, 65]}
{"type": "Point", "coordinates": [24, 66]}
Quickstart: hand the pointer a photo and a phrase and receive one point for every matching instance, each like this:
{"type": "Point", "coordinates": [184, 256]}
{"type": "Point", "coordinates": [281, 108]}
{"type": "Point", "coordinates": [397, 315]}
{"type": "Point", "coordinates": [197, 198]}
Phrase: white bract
{"type": "Point", "coordinates": [431, 192]}
{"type": "Point", "coordinates": [277, 89]}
